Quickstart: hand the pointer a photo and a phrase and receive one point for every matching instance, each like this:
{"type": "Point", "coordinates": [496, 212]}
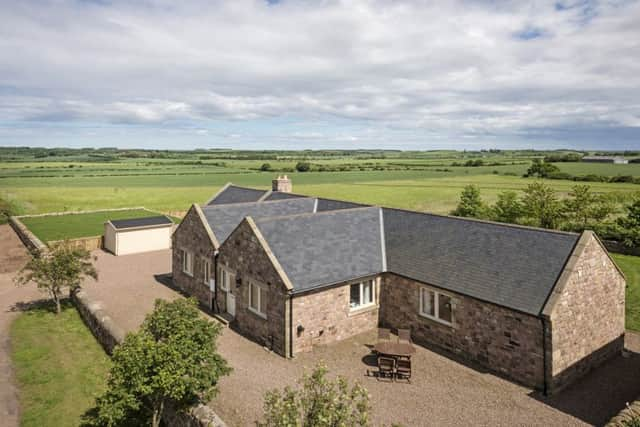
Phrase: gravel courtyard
{"type": "Point", "coordinates": [443, 391]}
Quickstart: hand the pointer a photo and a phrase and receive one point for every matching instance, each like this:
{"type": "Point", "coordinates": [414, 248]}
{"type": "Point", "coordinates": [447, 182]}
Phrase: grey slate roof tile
{"type": "Point", "coordinates": [515, 267]}
{"type": "Point", "coordinates": [325, 248]}
{"type": "Point", "coordinates": [332, 205]}
{"type": "Point", "coordinates": [279, 195]}
{"type": "Point", "coordinates": [235, 194]}
{"type": "Point", "coordinates": [223, 219]}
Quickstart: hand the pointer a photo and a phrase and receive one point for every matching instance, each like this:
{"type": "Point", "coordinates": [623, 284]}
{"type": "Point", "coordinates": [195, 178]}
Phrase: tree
{"type": "Point", "coordinates": [585, 208]}
{"type": "Point", "coordinates": [303, 166]}
{"type": "Point", "coordinates": [62, 267]}
{"type": "Point", "coordinates": [507, 208]}
{"type": "Point", "coordinates": [541, 169]}
{"type": "Point", "coordinates": [171, 360]}
{"type": "Point", "coordinates": [541, 205]}
{"type": "Point", "coordinates": [265, 167]}
{"type": "Point", "coordinates": [320, 402]}
{"type": "Point", "coordinates": [631, 223]}
{"type": "Point", "coordinates": [470, 204]}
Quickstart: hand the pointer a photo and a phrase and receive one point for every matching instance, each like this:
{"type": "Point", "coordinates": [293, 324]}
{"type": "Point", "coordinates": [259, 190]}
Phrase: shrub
{"type": "Point", "coordinates": [265, 167]}
{"type": "Point", "coordinates": [303, 166]}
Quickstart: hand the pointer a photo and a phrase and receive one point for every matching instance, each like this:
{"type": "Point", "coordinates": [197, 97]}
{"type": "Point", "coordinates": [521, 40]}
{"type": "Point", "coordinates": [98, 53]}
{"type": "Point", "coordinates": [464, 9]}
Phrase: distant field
{"type": "Point", "coordinates": [60, 368]}
{"type": "Point", "coordinates": [631, 267]}
{"type": "Point", "coordinates": [72, 226]}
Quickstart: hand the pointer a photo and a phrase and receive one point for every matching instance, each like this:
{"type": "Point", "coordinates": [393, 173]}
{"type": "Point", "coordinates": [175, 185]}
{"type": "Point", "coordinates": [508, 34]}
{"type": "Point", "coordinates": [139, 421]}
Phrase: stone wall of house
{"type": "Point", "coordinates": [192, 236]}
{"type": "Point", "coordinates": [501, 340]}
{"type": "Point", "coordinates": [587, 320]}
{"type": "Point", "coordinates": [243, 254]}
{"type": "Point", "coordinates": [326, 317]}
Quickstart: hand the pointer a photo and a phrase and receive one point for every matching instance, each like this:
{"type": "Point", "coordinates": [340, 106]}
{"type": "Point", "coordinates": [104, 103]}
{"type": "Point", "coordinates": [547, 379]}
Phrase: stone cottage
{"type": "Point", "coordinates": [540, 307]}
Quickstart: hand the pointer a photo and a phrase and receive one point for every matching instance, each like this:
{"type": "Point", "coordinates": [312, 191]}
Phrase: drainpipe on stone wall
{"type": "Point", "coordinates": [290, 326]}
{"type": "Point", "coordinates": [214, 304]}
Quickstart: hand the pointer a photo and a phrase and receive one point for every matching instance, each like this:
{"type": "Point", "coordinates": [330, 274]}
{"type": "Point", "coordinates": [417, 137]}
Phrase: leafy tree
{"type": "Point", "coordinates": [541, 169]}
{"type": "Point", "coordinates": [265, 167]}
{"type": "Point", "coordinates": [470, 204]}
{"type": "Point", "coordinates": [62, 267]}
{"type": "Point", "coordinates": [171, 360]}
{"type": "Point", "coordinates": [541, 205]}
{"type": "Point", "coordinates": [631, 224]}
{"type": "Point", "coordinates": [507, 208]}
{"type": "Point", "coordinates": [303, 166]}
{"type": "Point", "coordinates": [585, 208]}
{"type": "Point", "coordinates": [320, 402]}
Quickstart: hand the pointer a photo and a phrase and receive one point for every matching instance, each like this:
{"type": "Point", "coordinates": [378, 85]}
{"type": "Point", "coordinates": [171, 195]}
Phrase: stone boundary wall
{"type": "Point", "coordinates": [29, 239]}
{"type": "Point", "coordinates": [82, 212]}
{"type": "Point", "coordinates": [625, 417]}
{"type": "Point", "coordinates": [620, 248]}
{"type": "Point", "coordinates": [87, 243]}
{"type": "Point", "coordinates": [177, 214]}
{"type": "Point", "coordinates": [109, 334]}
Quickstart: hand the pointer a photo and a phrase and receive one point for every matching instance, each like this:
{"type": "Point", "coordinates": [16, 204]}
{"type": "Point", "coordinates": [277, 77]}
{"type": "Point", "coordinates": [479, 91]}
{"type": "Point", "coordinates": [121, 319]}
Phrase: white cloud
{"type": "Point", "coordinates": [447, 68]}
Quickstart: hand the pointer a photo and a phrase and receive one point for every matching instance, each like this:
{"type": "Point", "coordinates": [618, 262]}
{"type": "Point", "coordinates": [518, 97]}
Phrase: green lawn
{"type": "Point", "coordinates": [60, 368]}
{"type": "Point", "coordinates": [631, 267]}
{"type": "Point", "coordinates": [59, 227]}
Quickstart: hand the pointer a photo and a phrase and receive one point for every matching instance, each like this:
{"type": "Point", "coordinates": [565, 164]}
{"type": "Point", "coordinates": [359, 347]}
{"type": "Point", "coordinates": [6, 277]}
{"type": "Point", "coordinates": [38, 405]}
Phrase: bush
{"type": "Point", "coordinates": [266, 167]}
{"type": "Point", "coordinates": [303, 166]}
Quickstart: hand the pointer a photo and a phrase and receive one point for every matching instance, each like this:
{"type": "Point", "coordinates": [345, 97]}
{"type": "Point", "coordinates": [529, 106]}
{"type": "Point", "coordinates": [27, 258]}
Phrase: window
{"type": "Point", "coordinates": [225, 279]}
{"type": "Point", "coordinates": [435, 305]}
{"type": "Point", "coordinates": [362, 294]}
{"type": "Point", "coordinates": [187, 262]}
{"type": "Point", "coordinates": [206, 271]}
{"type": "Point", "coordinates": [258, 300]}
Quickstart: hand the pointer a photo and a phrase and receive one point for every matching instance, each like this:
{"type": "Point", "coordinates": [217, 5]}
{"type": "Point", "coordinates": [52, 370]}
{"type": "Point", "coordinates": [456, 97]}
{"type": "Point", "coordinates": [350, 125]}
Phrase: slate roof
{"type": "Point", "coordinates": [150, 221]}
{"type": "Point", "coordinates": [235, 194]}
{"type": "Point", "coordinates": [511, 266]}
{"type": "Point", "coordinates": [223, 219]}
{"type": "Point", "coordinates": [332, 205]}
{"type": "Point", "coordinates": [279, 195]}
{"type": "Point", "coordinates": [326, 248]}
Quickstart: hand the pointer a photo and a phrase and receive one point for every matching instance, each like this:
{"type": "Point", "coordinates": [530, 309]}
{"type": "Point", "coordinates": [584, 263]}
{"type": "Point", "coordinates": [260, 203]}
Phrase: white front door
{"type": "Point", "coordinates": [231, 304]}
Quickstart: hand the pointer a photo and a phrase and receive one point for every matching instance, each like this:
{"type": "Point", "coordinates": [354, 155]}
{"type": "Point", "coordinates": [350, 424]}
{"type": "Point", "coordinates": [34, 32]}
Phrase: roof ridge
{"type": "Point", "coordinates": [257, 202]}
{"type": "Point", "coordinates": [314, 214]}
{"type": "Point", "coordinates": [488, 222]}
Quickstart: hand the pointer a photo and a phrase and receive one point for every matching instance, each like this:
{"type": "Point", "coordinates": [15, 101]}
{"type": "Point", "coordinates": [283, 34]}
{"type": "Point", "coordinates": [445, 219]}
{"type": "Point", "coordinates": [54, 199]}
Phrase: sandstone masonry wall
{"type": "Point", "coordinates": [587, 318]}
{"type": "Point", "coordinates": [244, 256]}
{"type": "Point", "coordinates": [326, 317]}
{"type": "Point", "coordinates": [499, 339]}
{"type": "Point", "coordinates": [192, 236]}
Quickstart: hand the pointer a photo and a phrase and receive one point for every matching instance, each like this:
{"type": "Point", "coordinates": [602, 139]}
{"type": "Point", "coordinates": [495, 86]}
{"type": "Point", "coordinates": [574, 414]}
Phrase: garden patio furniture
{"type": "Point", "coordinates": [384, 334]}
{"type": "Point", "coordinates": [386, 367]}
{"type": "Point", "coordinates": [394, 349]}
{"type": "Point", "coordinates": [404, 335]}
{"type": "Point", "coordinates": [403, 369]}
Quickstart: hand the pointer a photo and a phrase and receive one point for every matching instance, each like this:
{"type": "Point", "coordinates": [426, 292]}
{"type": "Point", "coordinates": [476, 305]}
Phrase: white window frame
{"type": "Point", "coordinates": [187, 262]}
{"type": "Point", "coordinates": [261, 289]}
{"type": "Point", "coordinates": [225, 279]}
{"type": "Point", "coordinates": [206, 271]}
{"type": "Point", "coordinates": [436, 306]}
{"type": "Point", "coordinates": [373, 294]}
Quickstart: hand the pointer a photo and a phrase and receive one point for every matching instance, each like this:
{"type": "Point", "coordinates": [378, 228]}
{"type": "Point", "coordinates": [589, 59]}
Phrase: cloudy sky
{"type": "Point", "coordinates": [320, 74]}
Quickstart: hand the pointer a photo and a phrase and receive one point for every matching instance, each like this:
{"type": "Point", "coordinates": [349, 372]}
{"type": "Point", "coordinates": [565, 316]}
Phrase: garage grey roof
{"type": "Point", "coordinates": [515, 267]}
{"type": "Point", "coordinates": [326, 248]}
{"type": "Point", "coordinates": [150, 221]}
{"type": "Point", "coordinates": [223, 219]}
{"type": "Point", "coordinates": [234, 194]}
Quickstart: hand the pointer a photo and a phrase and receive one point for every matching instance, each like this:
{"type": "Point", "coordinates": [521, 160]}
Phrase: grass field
{"type": "Point", "coordinates": [631, 267]}
{"type": "Point", "coordinates": [72, 226]}
{"type": "Point", "coordinates": [60, 368]}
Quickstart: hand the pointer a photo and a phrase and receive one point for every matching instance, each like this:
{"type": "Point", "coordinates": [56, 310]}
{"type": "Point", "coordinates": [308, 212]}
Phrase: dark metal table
{"type": "Point", "coordinates": [397, 349]}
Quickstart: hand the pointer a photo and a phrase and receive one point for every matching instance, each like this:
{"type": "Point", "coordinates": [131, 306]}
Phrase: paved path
{"type": "Point", "coordinates": [13, 255]}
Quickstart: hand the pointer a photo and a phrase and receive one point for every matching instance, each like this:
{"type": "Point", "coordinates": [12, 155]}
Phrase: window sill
{"type": "Point", "coordinates": [435, 319]}
{"type": "Point", "coordinates": [257, 313]}
{"type": "Point", "coordinates": [187, 273]}
{"type": "Point", "coordinates": [362, 309]}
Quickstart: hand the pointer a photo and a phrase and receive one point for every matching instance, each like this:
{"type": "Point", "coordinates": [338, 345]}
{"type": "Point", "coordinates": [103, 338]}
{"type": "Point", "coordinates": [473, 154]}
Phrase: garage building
{"type": "Point", "coordinates": [130, 236]}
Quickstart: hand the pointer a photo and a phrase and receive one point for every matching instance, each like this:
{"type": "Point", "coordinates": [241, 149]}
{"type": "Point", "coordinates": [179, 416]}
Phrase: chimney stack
{"type": "Point", "coordinates": [282, 184]}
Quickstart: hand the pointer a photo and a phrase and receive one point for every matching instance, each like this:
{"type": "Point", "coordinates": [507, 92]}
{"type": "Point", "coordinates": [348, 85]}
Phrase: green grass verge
{"type": "Point", "coordinates": [60, 367]}
{"type": "Point", "coordinates": [73, 226]}
{"type": "Point", "coordinates": [631, 267]}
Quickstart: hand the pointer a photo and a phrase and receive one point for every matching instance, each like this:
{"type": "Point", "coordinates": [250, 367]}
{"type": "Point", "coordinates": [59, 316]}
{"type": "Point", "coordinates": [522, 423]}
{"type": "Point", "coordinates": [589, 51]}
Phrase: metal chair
{"type": "Point", "coordinates": [404, 335]}
{"type": "Point", "coordinates": [403, 369]}
{"type": "Point", "coordinates": [386, 367]}
{"type": "Point", "coordinates": [384, 334]}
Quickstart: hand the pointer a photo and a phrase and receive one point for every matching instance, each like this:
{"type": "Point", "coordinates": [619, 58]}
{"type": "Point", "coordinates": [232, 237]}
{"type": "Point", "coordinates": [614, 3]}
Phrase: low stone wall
{"type": "Point", "coordinates": [628, 415]}
{"type": "Point", "coordinates": [82, 212]}
{"type": "Point", "coordinates": [177, 214]}
{"type": "Point", "coordinates": [86, 243]}
{"type": "Point", "coordinates": [29, 239]}
{"type": "Point", "coordinates": [109, 334]}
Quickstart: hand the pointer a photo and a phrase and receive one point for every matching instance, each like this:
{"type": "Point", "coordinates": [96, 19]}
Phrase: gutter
{"type": "Point", "coordinates": [291, 326]}
{"type": "Point", "coordinates": [545, 383]}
